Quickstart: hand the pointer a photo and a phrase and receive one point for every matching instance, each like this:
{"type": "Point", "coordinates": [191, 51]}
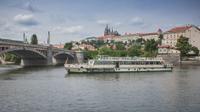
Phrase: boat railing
{"type": "Point", "coordinates": [130, 58]}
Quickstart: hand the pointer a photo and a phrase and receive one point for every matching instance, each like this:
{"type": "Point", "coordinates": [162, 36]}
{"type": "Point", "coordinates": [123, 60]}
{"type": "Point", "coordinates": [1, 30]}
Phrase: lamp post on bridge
{"type": "Point", "coordinates": [48, 39]}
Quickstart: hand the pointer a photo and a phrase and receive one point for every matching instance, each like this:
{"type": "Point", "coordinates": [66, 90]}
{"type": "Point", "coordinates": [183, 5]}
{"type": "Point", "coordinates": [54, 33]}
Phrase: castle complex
{"type": "Point", "coordinates": [109, 31]}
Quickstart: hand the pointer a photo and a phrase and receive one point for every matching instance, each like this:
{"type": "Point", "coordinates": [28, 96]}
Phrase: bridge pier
{"type": "Point", "coordinates": [79, 56]}
{"type": "Point", "coordinates": [50, 55]}
{"type": "Point", "coordinates": [58, 61]}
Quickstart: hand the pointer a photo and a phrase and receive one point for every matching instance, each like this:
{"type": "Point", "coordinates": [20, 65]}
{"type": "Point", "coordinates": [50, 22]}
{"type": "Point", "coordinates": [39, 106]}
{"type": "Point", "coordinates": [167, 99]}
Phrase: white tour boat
{"type": "Point", "coordinates": [120, 64]}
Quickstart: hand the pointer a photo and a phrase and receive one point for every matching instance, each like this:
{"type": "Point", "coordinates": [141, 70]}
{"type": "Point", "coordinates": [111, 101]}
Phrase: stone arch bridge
{"type": "Point", "coordinates": [36, 55]}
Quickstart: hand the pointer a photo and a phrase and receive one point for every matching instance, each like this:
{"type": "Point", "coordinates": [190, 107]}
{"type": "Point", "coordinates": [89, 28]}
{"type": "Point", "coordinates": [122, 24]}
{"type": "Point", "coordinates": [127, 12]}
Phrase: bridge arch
{"type": "Point", "coordinates": [29, 57]}
{"type": "Point", "coordinates": [62, 57]}
{"type": "Point", "coordinates": [24, 53]}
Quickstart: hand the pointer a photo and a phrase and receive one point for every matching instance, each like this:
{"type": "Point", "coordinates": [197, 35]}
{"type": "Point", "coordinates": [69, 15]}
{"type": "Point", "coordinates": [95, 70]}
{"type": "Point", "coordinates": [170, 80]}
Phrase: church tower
{"type": "Point", "coordinates": [107, 30]}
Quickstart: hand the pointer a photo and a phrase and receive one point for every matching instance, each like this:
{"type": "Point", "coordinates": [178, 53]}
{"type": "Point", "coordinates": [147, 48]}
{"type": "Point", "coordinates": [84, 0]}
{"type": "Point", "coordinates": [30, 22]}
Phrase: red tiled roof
{"type": "Point", "coordinates": [59, 45]}
{"type": "Point", "coordinates": [141, 34]}
{"type": "Point", "coordinates": [144, 34]}
{"type": "Point", "coordinates": [179, 29]}
{"type": "Point", "coordinates": [107, 36]}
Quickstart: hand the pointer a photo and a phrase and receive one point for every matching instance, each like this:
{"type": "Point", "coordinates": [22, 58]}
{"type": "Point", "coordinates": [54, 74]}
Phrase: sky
{"type": "Point", "coordinates": [69, 20]}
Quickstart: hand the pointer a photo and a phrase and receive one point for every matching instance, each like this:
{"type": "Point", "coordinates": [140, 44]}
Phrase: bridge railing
{"type": "Point", "coordinates": [21, 44]}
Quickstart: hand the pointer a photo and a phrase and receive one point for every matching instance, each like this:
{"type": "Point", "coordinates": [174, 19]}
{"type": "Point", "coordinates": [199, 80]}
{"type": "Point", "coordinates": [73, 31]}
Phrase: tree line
{"type": "Point", "coordinates": [138, 47]}
{"type": "Point", "coordinates": [186, 49]}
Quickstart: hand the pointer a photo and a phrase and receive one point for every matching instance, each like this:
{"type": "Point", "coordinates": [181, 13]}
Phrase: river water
{"type": "Point", "coordinates": [50, 89]}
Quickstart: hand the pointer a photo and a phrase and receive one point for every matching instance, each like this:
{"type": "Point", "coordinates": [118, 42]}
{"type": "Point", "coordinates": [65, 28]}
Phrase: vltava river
{"type": "Point", "coordinates": [50, 89]}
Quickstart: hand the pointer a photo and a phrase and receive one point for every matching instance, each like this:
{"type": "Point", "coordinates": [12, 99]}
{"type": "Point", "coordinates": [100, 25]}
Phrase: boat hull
{"type": "Point", "coordinates": [117, 70]}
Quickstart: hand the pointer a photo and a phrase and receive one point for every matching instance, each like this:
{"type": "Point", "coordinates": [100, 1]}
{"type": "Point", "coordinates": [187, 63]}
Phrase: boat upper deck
{"type": "Point", "coordinates": [105, 58]}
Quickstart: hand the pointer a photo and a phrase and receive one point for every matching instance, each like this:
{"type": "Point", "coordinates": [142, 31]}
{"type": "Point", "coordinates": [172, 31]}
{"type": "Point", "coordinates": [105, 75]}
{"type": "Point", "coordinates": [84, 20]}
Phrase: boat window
{"type": "Point", "coordinates": [103, 62]}
{"type": "Point", "coordinates": [97, 62]}
{"type": "Point", "coordinates": [125, 63]}
{"type": "Point", "coordinates": [128, 62]}
{"type": "Point", "coordinates": [139, 63]}
{"type": "Point", "coordinates": [158, 63]}
{"type": "Point", "coordinates": [106, 63]}
{"type": "Point", "coordinates": [142, 63]}
{"type": "Point", "coordinates": [133, 63]}
{"type": "Point", "coordinates": [117, 65]}
{"type": "Point", "coordinates": [136, 62]}
{"type": "Point", "coordinates": [121, 62]}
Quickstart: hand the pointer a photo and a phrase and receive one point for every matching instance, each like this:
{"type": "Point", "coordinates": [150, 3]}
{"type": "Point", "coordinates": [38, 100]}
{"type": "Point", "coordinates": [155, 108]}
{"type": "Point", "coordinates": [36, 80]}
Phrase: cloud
{"type": "Point", "coordinates": [69, 30]}
{"type": "Point", "coordinates": [5, 25]}
{"type": "Point", "coordinates": [26, 20]}
{"type": "Point", "coordinates": [137, 21]}
{"type": "Point", "coordinates": [28, 6]}
{"type": "Point", "coordinates": [2, 23]}
{"type": "Point", "coordinates": [103, 22]}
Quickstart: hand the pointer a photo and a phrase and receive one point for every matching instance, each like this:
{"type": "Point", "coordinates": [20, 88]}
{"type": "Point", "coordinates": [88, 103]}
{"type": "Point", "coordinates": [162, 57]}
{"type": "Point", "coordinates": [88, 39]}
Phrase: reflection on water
{"type": "Point", "coordinates": [50, 89]}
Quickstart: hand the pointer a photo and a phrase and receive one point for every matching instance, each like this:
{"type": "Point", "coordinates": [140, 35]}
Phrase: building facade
{"type": "Point", "coordinates": [190, 31]}
{"type": "Point", "coordinates": [60, 46]}
{"type": "Point", "coordinates": [149, 36]}
{"type": "Point", "coordinates": [145, 36]}
{"type": "Point", "coordinates": [167, 50]}
{"type": "Point", "coordinates": [127, 38]}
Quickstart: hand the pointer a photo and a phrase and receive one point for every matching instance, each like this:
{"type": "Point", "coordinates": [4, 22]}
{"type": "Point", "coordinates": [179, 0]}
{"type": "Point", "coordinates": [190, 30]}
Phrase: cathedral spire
{"type": "Point", "coordinates": [112, 32]}
{"type": "Point", "coordinates": [106, 31]}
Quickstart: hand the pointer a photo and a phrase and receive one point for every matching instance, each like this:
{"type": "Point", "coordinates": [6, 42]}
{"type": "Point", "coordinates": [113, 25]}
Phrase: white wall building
{"type": "Point", "coordinates": [145, 36]}
{"type": "Point", "coordinates": [167, 50]}
{"type": "Point", "coordinates": [127, 38]}
{"type": "Point", "coordinates": [149, 36]}
{"type": "Point", "coordinates": [192, 32]}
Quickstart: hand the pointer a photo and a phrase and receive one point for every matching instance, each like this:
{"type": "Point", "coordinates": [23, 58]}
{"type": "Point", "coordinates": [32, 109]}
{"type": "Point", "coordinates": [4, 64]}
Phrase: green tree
{"type": "Point", "coordinates": [140, 41]}
{"type": "Point", "coordinates": [123, 53]}
{"type": "Point", "coordinates": [150, 54]}
{"type": "Point", "coordinates": [135, 51]}
{"type": "Point", "coordinates": [12, 58]}
{"type": "Point", "coordinates": [91, 54]}
{"type": "Point", "coordinates": [195, 50]}
{"type": "Point", "coordinates": [183, 46]}
{"type": "Point", "coordinates": [68, 45]}
{"type": "Point", "coordinates": [105, 51]}
{"type": "Point", "coordinates": [98, 43]}
{"type": "Point", "coordinates": [120, 46]}
{"type": "Point", "coordinates": [150, 46]}
{"type": "Point", "coordinates": [34, 39]}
